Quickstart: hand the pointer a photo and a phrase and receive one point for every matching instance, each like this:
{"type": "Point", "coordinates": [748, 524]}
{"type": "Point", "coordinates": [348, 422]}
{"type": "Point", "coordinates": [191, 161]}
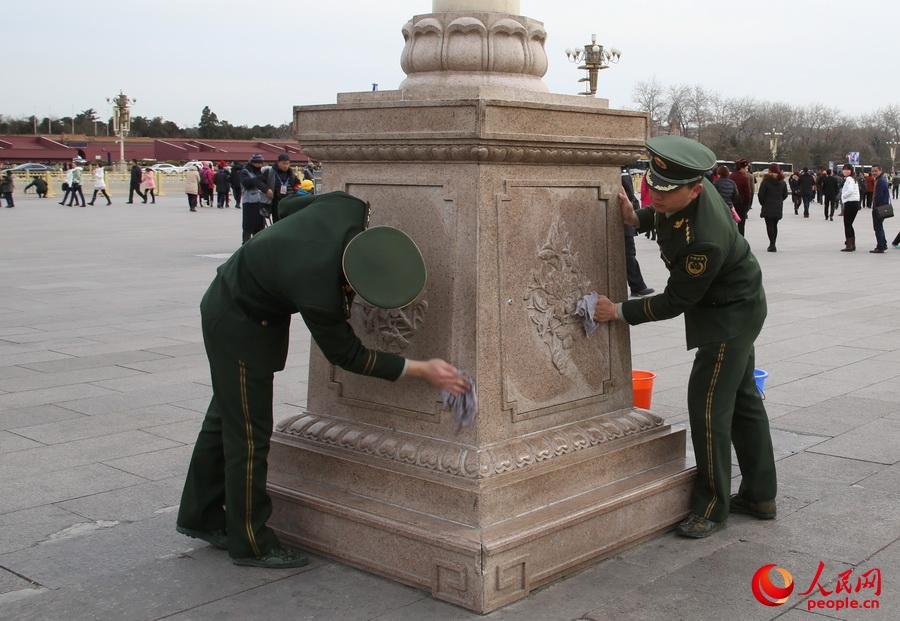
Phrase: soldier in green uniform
{"type": "Point", "coordinates": [715, 280]}
{"type": "Point", "coordinates": [312, 262]}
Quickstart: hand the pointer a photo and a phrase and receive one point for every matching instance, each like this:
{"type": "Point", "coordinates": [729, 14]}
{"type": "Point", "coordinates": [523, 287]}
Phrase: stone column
{"type": "Point", "coordinates": [510, 193]}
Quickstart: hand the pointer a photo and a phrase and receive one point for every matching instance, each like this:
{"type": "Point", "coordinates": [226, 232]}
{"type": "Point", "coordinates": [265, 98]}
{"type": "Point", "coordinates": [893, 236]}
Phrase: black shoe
{"type": "Point", "coordinates": [63, 204]}
{"type": "Point", "coordinates": [193, 209]}
{"type": "Point", "coordinates": [276, 558]}
{"type": "Point", "coordinates": [108, 203]}
{"type": "Point", "coordinates": [764, 510]}
{"type": "Point", "coordinates": [216, 538]}
{"type": "Point", "coordinates": [129, 202]}
{"type": "Point", "coordinates": [696, 527]}
{"type": "Point", "coordinates": [642, 292]}
{"type": "Point", "coordinates": [772, 249]}
{"type": "Point", "coordinates": [144, 201]}
{"type": "Point", "coordinates": [877, 251]}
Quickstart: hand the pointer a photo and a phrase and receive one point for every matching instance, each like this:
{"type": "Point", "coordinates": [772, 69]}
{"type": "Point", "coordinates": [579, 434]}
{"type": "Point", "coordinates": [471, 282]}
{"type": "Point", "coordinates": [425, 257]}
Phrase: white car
{"type": "Point", "coordinates": [167, 169]}
{"type": "Point", "coordinates": [198, 164]}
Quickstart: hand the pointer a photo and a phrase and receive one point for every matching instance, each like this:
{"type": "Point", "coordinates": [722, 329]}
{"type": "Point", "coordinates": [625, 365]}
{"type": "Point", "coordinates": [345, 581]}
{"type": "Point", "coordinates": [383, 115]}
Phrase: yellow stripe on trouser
{"type": "Point", "coordinates": [710, 395]}
{"type": "Point", "coordinates": [248, 522]}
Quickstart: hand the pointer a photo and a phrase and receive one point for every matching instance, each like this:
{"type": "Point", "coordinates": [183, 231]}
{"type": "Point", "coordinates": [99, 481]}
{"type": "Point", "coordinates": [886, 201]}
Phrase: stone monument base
{"type": "Point", "coordinates": [576, 511]}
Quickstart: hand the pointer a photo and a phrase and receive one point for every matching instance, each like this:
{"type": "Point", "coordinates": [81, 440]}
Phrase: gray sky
{"type": "Point", "coordinates": [252, 60]}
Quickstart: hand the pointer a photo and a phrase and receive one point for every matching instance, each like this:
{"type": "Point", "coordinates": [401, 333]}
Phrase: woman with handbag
{"type": "Point", "coordinates": [881, 208]}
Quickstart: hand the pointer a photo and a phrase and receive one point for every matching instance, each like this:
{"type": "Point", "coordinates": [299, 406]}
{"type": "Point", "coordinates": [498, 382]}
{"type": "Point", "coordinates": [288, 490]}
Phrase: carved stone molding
{"type": "Point", "coordinates": [464, 461]}
{"type": "Point", "coordinates": [474, 48]}
{"type": "Point", "coordinates": [554, 290]}
{"type": "Point", "coordinates": [392, 329]}
{"type": "Point", "coordinates": [470, 153]}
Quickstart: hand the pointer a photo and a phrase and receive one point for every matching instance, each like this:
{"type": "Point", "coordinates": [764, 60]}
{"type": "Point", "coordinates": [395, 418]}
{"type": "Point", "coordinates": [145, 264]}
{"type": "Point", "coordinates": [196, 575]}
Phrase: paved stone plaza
{"type": "Point", "coordinates": [103, 384]}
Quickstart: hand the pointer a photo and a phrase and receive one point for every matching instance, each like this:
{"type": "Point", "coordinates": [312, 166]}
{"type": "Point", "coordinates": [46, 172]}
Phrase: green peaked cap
{"type": "Point", "coordinates": [384, 267]}
{"type": "Point", "coordinates": [676, 161]}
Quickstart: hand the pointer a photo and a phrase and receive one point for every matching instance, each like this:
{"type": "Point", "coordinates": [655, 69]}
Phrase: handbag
{"type": "Point", "coordinates": [884, 211]}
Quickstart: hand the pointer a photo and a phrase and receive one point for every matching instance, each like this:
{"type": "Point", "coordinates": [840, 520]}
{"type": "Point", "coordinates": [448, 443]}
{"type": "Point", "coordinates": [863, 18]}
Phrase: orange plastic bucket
{"type": "Point", "coordinates": [642, 386]}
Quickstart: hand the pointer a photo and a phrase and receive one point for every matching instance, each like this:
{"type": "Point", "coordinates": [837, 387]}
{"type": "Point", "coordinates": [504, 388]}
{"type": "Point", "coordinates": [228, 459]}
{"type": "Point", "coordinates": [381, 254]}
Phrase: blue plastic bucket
{"type": "Point", "coordinates": [760, 376]}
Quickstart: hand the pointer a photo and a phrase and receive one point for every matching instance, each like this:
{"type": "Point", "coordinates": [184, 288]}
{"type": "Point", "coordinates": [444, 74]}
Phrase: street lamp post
{"type": "Point", "coordinates": [121, 120]}
{"type": "Point", "coordinates": [774, 136]}
{"type": "Point", "coordinates": [595, 57]}
{"type": "Point", "coordinates": [892, 145]}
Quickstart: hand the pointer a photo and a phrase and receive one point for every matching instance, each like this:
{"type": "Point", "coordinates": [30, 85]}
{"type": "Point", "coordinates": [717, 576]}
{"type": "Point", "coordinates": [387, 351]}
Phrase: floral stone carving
{"type": "Point", "coordinates": [555, 288]}
{"type": "Point", "coordinates": [393, 329]}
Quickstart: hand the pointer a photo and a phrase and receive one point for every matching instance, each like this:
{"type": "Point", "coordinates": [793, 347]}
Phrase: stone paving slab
{"type": "Point", "coordinates": [83, 520]}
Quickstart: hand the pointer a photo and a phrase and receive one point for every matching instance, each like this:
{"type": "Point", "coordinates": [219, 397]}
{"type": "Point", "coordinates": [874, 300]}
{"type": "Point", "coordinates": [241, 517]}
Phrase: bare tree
{"type": "Point", "coordinates": [649, 97]}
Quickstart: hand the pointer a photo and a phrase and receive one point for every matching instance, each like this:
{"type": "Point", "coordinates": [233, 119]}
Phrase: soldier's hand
{"type": "Point", "coordinates": [627, 209]}
{"type": "Point", "coordinates": [605, 310]}
{"type": "Point", "coordinates": [440, 374]}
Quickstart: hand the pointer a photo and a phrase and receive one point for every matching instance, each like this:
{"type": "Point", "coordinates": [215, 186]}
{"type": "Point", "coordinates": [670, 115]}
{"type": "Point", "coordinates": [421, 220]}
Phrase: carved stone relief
{"type": "Point", "coordinates": [554, 290]}
{"type": "Point", "coordinates": [392, 329]}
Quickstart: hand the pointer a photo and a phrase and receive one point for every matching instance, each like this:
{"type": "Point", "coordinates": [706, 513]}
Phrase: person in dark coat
{"type": "Point", "coordinates": [257, 201]}
{"type": "Point", "coordinates": [831, 188]}
{"type": "Point", "coordinates": [794, 183]}
{"type": "Point", "coordinates": [636, 282]}
{"type": "Point", "coordinates": [223, 184]}
{"type": "Point", "coordinates": [729, 192]}
{"type": "Point", "coordinates": [744, 182]}
{"type": "Point", "coordinates": [236, 188]}
{"type": "Point", "coordinates": [881, 196]}
{"type": "Point", "coordinates": [807, 185]}
{"type": "Point", "coordinates": [772, 192]}
{"type": "Point", "coordinates": [135, 183]}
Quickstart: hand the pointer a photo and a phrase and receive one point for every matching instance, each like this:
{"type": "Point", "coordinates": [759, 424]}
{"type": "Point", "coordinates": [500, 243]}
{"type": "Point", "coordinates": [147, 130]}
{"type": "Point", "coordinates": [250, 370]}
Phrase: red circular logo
{"type": "Point", "coordinates": [768, 593]}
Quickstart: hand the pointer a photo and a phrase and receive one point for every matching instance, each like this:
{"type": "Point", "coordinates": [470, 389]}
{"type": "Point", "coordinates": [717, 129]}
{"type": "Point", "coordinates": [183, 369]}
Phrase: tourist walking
{"type": "Point", "coordinates": [794, 185]}
{"type": "Point", "coordinates": [881, 195]}
{"type": "Point", "coordinates": [647, 201]}
{"type": "Point", "coordinates": [207, 183]}
{"type": "Point", "coordinates": [148, 184]}
{"type": "Point", "coordinates": [807, 184]}
{"type": "Point", "coordinates": [76, 186]}
{"type": "Point", "coordinates": [772, 192]}
{"type": "Point", "coordinates": [744, 182]}
{"type": "Point", "coordinates": [236, 189]}
{"type": "Point", "coordinates": [192, 186]}
{"type": "Point", "coordinates": [895, 183]}
{"type": "Point", "coordinates": [134, 184]}
{"type": "Point", "coordinates": [831, 188]}
{"type": "Point", "coordinates": [223, 184]}
{"type": "Point", "coordinates": [636, 283]}
{"type": "Point", "coordinates": [99, 185]}
{"type": "Point", "coordinates": [728, 190]}
{"type": "Point", "coordinates": [870, 188]}
{"type": "Point", "coordinates": [850, 201]}
{"type": "Point", "coordinates": [256, 198]}
{"type": "Point", "coordinates": [7, 187]}
{"type": "Point", "coordinates": [820, 190]}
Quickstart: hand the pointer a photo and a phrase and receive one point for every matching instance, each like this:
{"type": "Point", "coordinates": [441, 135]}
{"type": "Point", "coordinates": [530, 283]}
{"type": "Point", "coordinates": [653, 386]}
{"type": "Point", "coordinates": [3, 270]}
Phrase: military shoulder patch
{"type": "Point", "coordinates": [695, 264]}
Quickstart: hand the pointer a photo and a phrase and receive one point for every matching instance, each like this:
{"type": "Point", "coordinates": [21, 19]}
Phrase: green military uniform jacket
{"type": "Point", "coordinates": [293, 266]}
{"type": "Point", "coordinates": [714, 279]}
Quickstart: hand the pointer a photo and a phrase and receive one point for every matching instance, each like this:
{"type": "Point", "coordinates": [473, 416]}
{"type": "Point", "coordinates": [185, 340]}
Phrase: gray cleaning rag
{"type": "Point", "coordinates": [464, 406]}
{"type": "Point", "coordinates": [585, 309]}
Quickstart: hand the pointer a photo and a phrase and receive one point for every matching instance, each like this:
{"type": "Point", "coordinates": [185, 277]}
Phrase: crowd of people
{"type": "Point", "coordinates": [842, 192]}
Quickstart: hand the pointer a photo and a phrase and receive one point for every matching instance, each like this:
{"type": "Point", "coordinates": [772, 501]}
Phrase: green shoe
{"type": "Point", "coordinates": [764, 510]}
{"type": "Point", "coordinates": [276, 558]}
{"type": "Point", "coordinates": [215, 538]}
{"type": "Point", "coordinates": [696, 527]}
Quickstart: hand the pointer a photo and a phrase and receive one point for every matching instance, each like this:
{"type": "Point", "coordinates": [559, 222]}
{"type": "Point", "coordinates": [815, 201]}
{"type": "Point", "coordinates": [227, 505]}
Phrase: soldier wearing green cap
{"type": "Point", "coordinates": [313, 261]}
{"type": "Point", "coordinates": [716, 282]}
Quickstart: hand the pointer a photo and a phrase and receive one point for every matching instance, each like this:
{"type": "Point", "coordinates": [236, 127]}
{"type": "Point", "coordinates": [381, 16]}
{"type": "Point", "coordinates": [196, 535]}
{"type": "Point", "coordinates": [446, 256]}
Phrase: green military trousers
{"type": "Point", "coordinates": [226, 482]}
{"type": "Point", "coordinates": [725, 408]}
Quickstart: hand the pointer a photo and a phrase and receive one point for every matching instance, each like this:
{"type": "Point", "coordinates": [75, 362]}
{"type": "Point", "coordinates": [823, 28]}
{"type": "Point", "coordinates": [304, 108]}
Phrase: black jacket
{"type": "Point", "coordinates": [772, 192]}
{"type": "Point", "coordinates": [807, 184]}
{"type": "Point", "coordinates": [222, 180]}
{"type": "Point", "coordinates": [831, 186]}
{"type": "Point", "coordinates": [136, 175]}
